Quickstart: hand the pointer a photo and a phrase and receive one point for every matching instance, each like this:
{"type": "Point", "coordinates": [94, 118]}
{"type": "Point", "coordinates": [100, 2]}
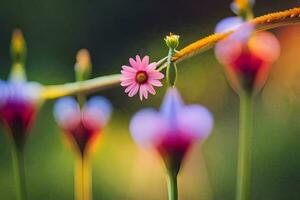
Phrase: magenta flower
{"type": "Point", "coordinates": [18, 106]}
{"type": "Point", "coordinates": [172, 130]}
{"type": "Point", "coordinates": [82, 126]}
{"type": "Point", "coordinates": [247, 58]}
{"type": "Point", "coordinates": [140, 76]}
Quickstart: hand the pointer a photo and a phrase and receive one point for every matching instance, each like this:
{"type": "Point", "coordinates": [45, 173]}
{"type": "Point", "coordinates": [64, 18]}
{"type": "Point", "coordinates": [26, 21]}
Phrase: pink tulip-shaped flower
{"type": "Point", "coordinates": [19, 103]}
{"type": "Point", "coordinates": [173, 129]}
{"type": "Point", "coordinates": [140, 76]}
{"type": "Point", "coordinates": [82, 126]}
{"type": "Point", "coordinates": [247, 58]}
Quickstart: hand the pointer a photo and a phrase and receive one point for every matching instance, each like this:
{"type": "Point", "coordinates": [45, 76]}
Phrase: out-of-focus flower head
{"type": "Point", "coordinates": [229, 24]}
{"type": "Point", "coordinates": [82, 125]}
{"type": "Point", "coordinates": [83, 66]}
{"type": "Point", "coordinates": [140, 77]}
{"type": "Point", "coordinates": [243, 10]}
{"type": "Point", "coordinates": [173, 129]}
{"type": "Point", "coordinates": [241, 7]}
{"type": "Point", "coordinates": [18, 46]}
{"type": "Point", "coordinates": [247, 57]}
{"type": "Point", "coordinates": [19, 102]}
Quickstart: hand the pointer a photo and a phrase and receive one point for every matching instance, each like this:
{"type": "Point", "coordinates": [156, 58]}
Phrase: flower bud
{"type": "Point", "coordinates": [243, 8]}
{"type": "Point", "coordinates": [83, 66]}
{"type": "Point", "coordinates": [18, 46]}
{"type": "Point", "coordinates": [172, 40]}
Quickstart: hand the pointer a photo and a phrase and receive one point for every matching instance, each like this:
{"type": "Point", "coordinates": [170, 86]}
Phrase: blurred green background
{"type": "Point", "coordinates": [115, 30]}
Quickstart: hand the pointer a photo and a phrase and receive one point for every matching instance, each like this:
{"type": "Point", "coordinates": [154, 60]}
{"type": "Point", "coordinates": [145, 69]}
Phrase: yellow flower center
{"type": "Point", "coordinates": [141, 77]}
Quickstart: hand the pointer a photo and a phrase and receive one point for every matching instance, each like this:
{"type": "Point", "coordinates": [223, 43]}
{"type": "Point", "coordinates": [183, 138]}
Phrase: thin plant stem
{"type": "Point", "coordinates": [19, 172]}
{"type": "Point", "coordinates": [245, 145]}
{"type": "Point", "coordinates": [172, 186]}
{"type": "Point", "coordinates": [83, 184]}
{"type": "Point", "coordinates": [265, 22]}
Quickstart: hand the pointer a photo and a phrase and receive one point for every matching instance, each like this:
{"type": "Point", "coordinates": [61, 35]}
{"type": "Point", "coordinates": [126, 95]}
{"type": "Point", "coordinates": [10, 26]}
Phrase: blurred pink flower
{"type": "Point", "coordinates": [172, 130]}
{"type": "Point", "coordinates": [140, 76]}
{"type": "Point", "coordinates": [82, 125]}
{"type": "Point", "coordinates": [19, 103]}
{"type": "Point", "coordinates": [247, 58]}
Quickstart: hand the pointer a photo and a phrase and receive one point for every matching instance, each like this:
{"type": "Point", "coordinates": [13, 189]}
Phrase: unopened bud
{"type": "Point", "coordinates": [241, 4]}
{"type": "Point", "coordinates": [18, 46]}
{"type": "Point", "coordinates": [83, 65]}
{"type": "Point", "coordinates": [243, 8]}
{"type": "Point", "coordinates": [172, 40]}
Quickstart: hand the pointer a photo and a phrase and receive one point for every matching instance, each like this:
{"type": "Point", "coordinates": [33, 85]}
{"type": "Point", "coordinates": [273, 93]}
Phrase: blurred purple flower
{"type": "Point", "coordinates": [229, 24]}
{"type": "Point", "coordinates": [82, 126]}
{"type": "Point", "coordinates": [18, 106]}
{"type": "Point", "coordinates": [173, 129]}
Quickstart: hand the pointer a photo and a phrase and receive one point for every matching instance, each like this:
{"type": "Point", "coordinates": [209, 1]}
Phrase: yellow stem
{"type": "Point", "coordinates": [56, 91]}
{"type": "Point", "coordinates": [269, 21]}
{"type": "Point", "coordinates": [83, 179]}
{"type": "Point", "coordinates": [265, 22]}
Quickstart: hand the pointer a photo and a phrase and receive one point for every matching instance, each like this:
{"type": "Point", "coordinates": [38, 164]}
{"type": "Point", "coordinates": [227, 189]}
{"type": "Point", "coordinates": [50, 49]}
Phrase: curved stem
{"type": "Point", "coordinates": [57, 91]}
{"type": "Point", "coordinates": [19, 172]}
{"type": "Point", "coordinates": [269, 21]}
{"type": "Point", "coordinates": [245, 145]}
{"type": "Point", "coordinates": [265, 22]}
{"type": "Point", "coordinates": [172, 186]}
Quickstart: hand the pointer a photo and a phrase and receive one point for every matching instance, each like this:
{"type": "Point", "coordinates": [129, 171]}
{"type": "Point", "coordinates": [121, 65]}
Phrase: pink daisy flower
{"type": "Point", "coordinates": [140, 77]}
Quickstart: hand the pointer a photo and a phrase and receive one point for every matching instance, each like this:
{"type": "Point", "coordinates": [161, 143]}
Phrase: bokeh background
{"type": "Point", "coordinates": [115, 30]}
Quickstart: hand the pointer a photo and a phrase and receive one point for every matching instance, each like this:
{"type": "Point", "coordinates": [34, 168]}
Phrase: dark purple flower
{"type": "Point", "coordinates": [19, 103]}
{"type": "Point", "coordinates": [173, 129]}
{"type": "Point", "coordinates": [82, 126]}
{"type": "Point", "coordinates": [247, 58]}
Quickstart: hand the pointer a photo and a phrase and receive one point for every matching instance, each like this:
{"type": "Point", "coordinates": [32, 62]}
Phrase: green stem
{"type": "Point", "coordinates": [244, 152]}
{"type": "Point", "coordinates": [19, 172]}
{"type": "Point", "coordinates": [171, 72]}
{"type": "Point", "coordinates": [161, 62]}
{"type": "Point", "coordinates": [172, 186]}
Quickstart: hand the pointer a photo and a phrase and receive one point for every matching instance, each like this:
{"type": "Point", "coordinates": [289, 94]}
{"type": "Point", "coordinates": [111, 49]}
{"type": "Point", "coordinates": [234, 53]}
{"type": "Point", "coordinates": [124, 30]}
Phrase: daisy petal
{"type": "Point", "coordinates": [138, 60]}
{"type": "Point", "coordinates": [134, 90]}
{"type": "Point", "coordinates": [156, 75]}
{"type": "Point", "coordinates": [144, 91]}
{"type": "Point", "coordinates": [129, 88]}
{"type": "Point", "coordinates": [151, 89]}
{"type": "Point", "coordinates": [151, 67]}
{"type": "Point", "coordinates": [127, 82]}
{"type": "Point", "coordinates": [128, 69]}
{"type": "Point", "coordinates": [155, 82]}
{"type": "Point", "coordinates": [145, 62]}
{"type": "Point", "coordinates": [133, 63]}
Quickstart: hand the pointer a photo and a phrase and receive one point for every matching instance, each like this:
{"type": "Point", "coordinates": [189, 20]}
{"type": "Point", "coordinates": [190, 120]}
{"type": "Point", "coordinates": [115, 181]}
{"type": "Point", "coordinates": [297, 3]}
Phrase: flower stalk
{"type": "Point", "coordinates": [245, 148]}
{"type": "Point", "coordinates": [19, 171]}
{"type": "Point", "coordinates": [172, 185]}
{"type": "Point", "coordinates": [82, 185]}
{"type": "Point", "coordinates": [172, 41]}
{"type": "Point", "coordinates": [171, 72]}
